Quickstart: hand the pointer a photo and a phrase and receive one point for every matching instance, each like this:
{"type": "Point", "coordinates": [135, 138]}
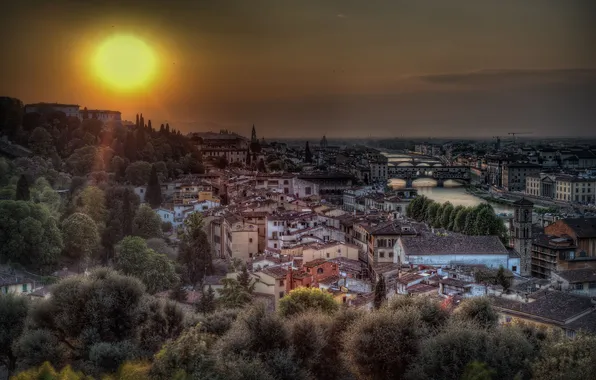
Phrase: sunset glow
{"type": "Point", "coordinates": [125, 62]}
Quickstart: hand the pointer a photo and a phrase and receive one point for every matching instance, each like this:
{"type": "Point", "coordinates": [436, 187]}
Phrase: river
{"type": "Point", "coordinates": [452, 191]}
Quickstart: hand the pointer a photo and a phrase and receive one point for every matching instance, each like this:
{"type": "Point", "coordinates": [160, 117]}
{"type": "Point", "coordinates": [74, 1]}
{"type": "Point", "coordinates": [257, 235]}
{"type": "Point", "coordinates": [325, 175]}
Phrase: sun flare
{"type": "Point", "coordinates": [125, 62]}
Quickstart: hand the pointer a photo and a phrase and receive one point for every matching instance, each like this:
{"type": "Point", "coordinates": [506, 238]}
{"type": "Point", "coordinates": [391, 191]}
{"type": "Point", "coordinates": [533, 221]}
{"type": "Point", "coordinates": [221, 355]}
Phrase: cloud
{"type": "Point", "coordinates": [517, 77]}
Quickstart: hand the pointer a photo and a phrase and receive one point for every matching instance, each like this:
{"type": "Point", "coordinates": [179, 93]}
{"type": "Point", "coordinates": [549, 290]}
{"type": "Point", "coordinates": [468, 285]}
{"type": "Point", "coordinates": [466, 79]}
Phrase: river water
{"type": "Point", "coordinates": [452, 191]}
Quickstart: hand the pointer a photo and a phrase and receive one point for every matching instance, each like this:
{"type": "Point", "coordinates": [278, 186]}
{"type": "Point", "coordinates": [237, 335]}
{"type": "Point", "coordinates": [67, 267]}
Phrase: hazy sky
{"type": "Point", "coordinates": [346, 68]}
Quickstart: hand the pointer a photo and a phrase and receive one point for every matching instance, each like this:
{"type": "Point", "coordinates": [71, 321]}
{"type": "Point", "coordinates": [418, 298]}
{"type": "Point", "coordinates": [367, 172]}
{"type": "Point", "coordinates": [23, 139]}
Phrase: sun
{"type": "Point", "coordinates": [125, 62]}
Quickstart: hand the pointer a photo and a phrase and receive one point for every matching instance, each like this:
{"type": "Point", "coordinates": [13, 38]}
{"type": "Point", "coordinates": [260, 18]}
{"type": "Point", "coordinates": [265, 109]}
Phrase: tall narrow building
{"type": "Point", "coordinates": [521, 234]}
{"type": "Point", "coordinates": [253, 135]}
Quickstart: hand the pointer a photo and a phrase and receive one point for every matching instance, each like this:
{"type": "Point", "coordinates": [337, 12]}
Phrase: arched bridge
{"type": "Point", "coordinates": [439, 173]}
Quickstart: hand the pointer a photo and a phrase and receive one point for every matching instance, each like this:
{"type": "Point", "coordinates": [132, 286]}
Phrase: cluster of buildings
{"type": "Point", "coordinates": [74, 110]}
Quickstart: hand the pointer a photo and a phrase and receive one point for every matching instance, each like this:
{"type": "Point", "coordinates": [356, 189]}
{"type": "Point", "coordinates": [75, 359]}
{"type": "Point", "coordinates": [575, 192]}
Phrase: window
{"type": "Point", "coordinates": [579, 286]}
{"type": "Point", "coordinates": [592, 285]}
{"type": "Point", "coordinates": [275, 245]}
{"type": "Point", "coordinates": [281, 294]}
{"type": "Point", "coordinates": [320, 271]}
{"type": "Point", "coordinates": [281, 282]}
{"type": "Point", "coordinates": [391, 254]}
{"type": "Point", "coordinates": [327, 254]}
{"type": "Point", "coordinates": [514, 268]}
{"type": "Point", "coordinates": [24, 288]}
{"type": "Point", "coordinates": [381, 254]}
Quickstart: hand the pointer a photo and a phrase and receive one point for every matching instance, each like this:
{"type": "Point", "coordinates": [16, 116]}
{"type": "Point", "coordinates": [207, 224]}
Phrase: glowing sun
{"type": "Point", "coordinates": [125, 62]}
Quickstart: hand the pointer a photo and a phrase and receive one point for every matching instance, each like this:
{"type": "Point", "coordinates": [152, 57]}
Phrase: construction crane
{"type": "Point", "coordinates": [518, 133]}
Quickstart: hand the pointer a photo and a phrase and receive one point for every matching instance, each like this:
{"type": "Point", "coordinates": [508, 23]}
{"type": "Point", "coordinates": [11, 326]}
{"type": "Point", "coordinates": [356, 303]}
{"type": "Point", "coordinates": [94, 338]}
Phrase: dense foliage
{"type": "Point", "coordinates": [478, 220]}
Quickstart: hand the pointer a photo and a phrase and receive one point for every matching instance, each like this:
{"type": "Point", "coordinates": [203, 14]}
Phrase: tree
{"type": "Point", "coordinates": [13, 313]}
{"type": "Point", "coordinates": [478, 310]}
{"type": "Point", "coordinates": [137, 173]}
{"type": "Point", "coordinates": [459, 224]}
{"type": "Point", "coordinates": [80, 236]}
{"type": "Point", "coordinates": [30, 235]}
{"type": "Point", "coordinates": [110, 320]}
{"type": "Point", "coordinates": [233, 294]}
{"type": "Point", "coordinates": [47, 372]}
{"type": "Point", "coordinates": [42, 192]}
{"type": "Point", "coordinates": [301, 300]}
{"type": "Point", "coordinates": [380, 292]}
{"type": "Point", "coordinates": [571, 359]}
{"type": "Point", "coordinates": [382, 345]}
{"type": "Point", "coordinates": [93, 203]}
{"type": "Point", "coordinates": [136, 259]}
{"type": "Point", "coordinates": [128, 211]}
{"type": "Point", "coordinates": [41, 142]}
{"type": "Point", "coordinates": [446, 215]}
{"type": "Point", "coordinates": [194, 252]}
{"type": "Point", "coordinates": [307, 154]}
{"type": "Point", "coordinates": [470, 225]}
{"type": "Point", "coordinates": [146, 223]}
{"type": "Point", "coordinates": [153, 194]}
{"type": "Point", "coordinates": [431, 213]}
{"type": "Point", "coordinates": [502, 278]}
{"type": "Point", "coordinates": [206, 303]}
{"type": "Point", "coordinates": [84, 161]}
{"type": "Point", "coordinates": [452, 222]}
{"type": "Point", "coordinates": [261, 166]}
{"type": "Point", "coordinates": [22, 193]}
{"type": "Point", "coordinates": [190, 353]}
{"type": "Point", "coordinates": [478, 371]}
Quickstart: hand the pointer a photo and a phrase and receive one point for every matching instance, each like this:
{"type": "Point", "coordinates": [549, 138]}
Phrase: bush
{"type": "Point", "coordinates": [301, 300]}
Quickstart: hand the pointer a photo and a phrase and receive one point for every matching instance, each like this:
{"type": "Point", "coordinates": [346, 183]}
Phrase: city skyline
{"type": "Point", "coordinates": [344, 69]}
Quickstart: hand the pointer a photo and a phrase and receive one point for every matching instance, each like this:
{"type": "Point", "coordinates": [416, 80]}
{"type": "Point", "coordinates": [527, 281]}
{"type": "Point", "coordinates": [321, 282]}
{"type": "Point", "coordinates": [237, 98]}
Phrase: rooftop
{"type": "Point", "coordinates": [578, 275]}
{"type": "Point", "coordinates": [432, 244]}
{"type": "Point", "coordinates": [583, 227]}
{"type": "Point", "coordinates": [547, 305]}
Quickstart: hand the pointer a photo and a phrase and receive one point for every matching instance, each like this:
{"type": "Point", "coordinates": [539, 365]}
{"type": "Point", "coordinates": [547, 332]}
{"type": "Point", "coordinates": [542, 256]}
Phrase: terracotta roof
{"type": "Point", "coordinates": [275, 272]}
{"type": "Point", "coordinates": [315, 263]}
{"type": "Point", "coordinates": [583, 227]}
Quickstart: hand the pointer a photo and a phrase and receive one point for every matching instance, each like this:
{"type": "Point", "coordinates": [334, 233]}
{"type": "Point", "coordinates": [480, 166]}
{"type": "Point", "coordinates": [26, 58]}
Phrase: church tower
{"type": "Point", "coordinates": [521, 234]}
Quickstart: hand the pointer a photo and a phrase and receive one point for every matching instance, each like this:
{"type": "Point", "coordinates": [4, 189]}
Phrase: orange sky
{"type": "Point", "coordinates": [303, 68]}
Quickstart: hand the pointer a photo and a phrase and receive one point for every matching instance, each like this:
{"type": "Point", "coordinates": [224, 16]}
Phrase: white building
{"type": "Point", "coordinates": [442, 250]}
{"type": "Point", "coordinates": [71, 110]}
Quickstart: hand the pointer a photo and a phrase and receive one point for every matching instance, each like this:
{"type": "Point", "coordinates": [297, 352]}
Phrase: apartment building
{"type": "Point", "coordinates": [514, 175]}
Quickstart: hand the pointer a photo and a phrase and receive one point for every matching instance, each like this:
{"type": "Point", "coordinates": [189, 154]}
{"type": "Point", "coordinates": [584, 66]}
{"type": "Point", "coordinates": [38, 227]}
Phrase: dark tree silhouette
{"type": "Point", "coordinates": [380, 292]}
{"type": "Point", "coordinates": [22, 193]}
{"type": "Point", "coordinates": [307, 154]}
{"type": "Point", "coordinates": [153, 195]}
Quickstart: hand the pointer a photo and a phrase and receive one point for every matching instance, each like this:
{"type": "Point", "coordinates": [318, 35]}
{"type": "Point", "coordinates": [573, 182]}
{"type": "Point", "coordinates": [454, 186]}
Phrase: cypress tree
{"type": "Point", "coordinates": [167, 128]}
{"type": "Point", "coordinates": [307, 153]}
{"type": "Point", "coordinates": [206, 303]}
{"type": "Point", "coordinates": [128, 213]}
{"type": "Point", "coordinates": [380, 292]}
{"type": "Point", "coordinates": [137, 122]}
{"type": "Point", "coordinates": [22, 193]}
{"type": "Point", "coordinates": [153, 195]}
{"type": "Point", "coordinates": [149, 127]}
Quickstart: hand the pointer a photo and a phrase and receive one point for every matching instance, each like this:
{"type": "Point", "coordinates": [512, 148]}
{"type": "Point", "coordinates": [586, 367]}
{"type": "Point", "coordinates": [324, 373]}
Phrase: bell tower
{"type": "Point", "coordinates": [521, 234]}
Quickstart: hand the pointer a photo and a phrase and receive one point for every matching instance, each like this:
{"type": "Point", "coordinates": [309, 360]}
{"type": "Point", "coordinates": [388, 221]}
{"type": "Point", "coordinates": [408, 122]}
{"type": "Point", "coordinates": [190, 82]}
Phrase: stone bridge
{"type": "Point", "coordinates": [438, 173]}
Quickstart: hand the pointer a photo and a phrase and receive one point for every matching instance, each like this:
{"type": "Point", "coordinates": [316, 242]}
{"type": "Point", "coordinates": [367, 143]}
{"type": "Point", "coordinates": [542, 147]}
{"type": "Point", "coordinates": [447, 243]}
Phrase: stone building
{"type": "Point", "coordinates": [521, 234]}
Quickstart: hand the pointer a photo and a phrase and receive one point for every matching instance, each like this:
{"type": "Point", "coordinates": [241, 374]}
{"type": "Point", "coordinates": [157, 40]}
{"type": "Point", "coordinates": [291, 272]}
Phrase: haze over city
{"type": "Point", "coordinates": [308, 68]}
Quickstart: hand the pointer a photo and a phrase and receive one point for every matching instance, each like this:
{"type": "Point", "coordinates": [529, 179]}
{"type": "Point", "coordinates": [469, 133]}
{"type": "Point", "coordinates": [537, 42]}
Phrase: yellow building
{"type": "Point", "coordinates": [240, 238]}
{"type": "Point", "coordinates": [271, 282]}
